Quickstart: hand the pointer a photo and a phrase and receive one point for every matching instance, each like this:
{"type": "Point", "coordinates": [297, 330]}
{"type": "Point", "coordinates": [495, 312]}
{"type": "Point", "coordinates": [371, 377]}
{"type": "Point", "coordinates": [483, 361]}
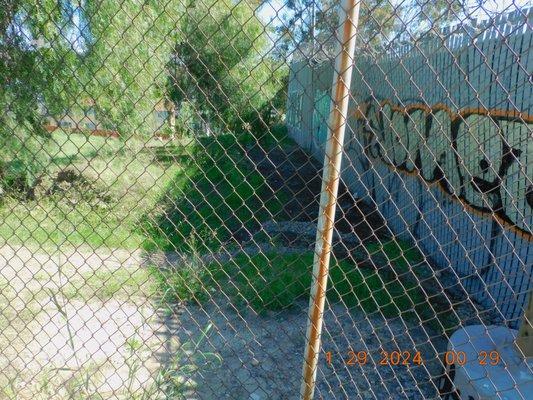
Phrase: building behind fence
{"type": "Point", "coordinates": [440, 141]}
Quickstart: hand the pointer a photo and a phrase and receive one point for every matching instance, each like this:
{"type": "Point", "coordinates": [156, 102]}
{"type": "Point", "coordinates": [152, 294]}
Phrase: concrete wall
{"type": "Point", "coordinates": [440, 140]}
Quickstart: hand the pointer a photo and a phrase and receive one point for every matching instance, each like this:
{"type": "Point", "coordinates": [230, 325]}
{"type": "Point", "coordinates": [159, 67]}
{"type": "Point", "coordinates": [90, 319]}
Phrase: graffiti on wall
{"type": "Point", "coordinates": [294, 109]}
{"type": "Point", "coordinates": [483, 158]}
{"type": "Point", "coordinates": [320, 116]}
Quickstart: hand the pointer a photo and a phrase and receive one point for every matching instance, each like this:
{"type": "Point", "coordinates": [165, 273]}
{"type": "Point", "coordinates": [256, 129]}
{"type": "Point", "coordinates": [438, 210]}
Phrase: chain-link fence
{"type": "Point", "coordinates": [160, 187]}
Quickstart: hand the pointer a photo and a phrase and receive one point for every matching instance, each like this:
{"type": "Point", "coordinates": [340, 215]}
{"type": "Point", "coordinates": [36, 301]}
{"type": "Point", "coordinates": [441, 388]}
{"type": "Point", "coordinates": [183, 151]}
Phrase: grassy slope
{"type": "Point", "coordinates": [217, 194]}
{"type": "Point", "coordinates": [124, 172]}
{"type": "Point", "coordinates": [164, 204]}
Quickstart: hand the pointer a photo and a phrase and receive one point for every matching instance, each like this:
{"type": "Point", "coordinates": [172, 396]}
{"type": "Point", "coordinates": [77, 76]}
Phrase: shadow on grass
{"type": "Point", "coordinates": [278, 281]}
{"type": "Point", "coordinates": [216, 200]}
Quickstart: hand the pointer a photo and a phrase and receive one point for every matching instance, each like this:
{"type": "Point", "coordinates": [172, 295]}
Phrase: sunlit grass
{"type": "Point", "coordinates": [272, 282]}
{"type": "Point", "coordinates": [102, 284]}
{"type": "Point", "coordinates": [123, 172]}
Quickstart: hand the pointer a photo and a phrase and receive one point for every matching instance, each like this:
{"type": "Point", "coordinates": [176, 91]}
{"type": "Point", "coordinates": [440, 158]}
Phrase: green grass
{"type": "Point", "coordinates": [124, 174]}
{"type": "Point", "coordinates": [133, 197]}
{"type": "Point", "coordinates": [273, 282]}
{"type": "Point", "coordinates": [103, 285]}
{"type": "Point", "coordinates": [216, 194]}
{"type": "Point", "coordinates": [408, 267]}
{"type": "Point", "coordinates": [400, 253]}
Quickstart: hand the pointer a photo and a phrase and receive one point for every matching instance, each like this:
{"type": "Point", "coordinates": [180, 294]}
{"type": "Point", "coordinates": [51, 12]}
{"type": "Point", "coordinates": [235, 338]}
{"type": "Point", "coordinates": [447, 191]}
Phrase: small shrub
{"type": "Point", "coordinates": [25, 154]}
{"type": "Point", "coordinates": [188, 281]}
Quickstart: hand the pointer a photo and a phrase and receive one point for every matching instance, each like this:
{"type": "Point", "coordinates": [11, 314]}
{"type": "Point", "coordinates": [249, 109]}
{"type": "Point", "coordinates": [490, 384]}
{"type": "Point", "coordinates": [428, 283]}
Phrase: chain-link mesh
{"type": "Point", "coordinates": [160, 179]}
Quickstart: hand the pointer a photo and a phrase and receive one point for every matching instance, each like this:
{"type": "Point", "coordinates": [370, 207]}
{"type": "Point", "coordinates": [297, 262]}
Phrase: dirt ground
{"type": "Point", "coordinates": [55, 345]}
{"type": "Point", "coordinates": [50, 341]}
{"type": "Point", "coordinates": [290, 169]}
{"type": "Point", "coordinates": [121, 346]}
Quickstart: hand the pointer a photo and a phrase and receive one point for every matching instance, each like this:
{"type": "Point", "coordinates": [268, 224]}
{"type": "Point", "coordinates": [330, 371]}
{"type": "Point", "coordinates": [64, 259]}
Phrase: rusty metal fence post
{"type": "Point", "coordinates": [192, 190]}
{"type": "Point", "coordinates": [348, 16]}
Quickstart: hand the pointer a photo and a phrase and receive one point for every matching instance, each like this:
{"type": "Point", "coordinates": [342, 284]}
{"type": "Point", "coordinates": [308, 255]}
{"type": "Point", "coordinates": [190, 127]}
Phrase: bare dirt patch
{"type": "Point", "coordinates": [260, 356]}
{"type": "Point", "coordinates": [55, 345]}
{"type": "Point", "coordinates": [290, 169]}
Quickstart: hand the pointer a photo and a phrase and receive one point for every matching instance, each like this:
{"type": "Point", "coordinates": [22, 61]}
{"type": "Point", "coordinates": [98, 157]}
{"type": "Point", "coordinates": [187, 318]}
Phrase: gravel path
{"type": "Point", "coordinates": [260, 356]}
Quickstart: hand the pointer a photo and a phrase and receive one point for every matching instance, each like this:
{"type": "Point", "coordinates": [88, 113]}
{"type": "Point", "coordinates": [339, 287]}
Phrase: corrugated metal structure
{"type": "Point", "coordinates": [440, 141]}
